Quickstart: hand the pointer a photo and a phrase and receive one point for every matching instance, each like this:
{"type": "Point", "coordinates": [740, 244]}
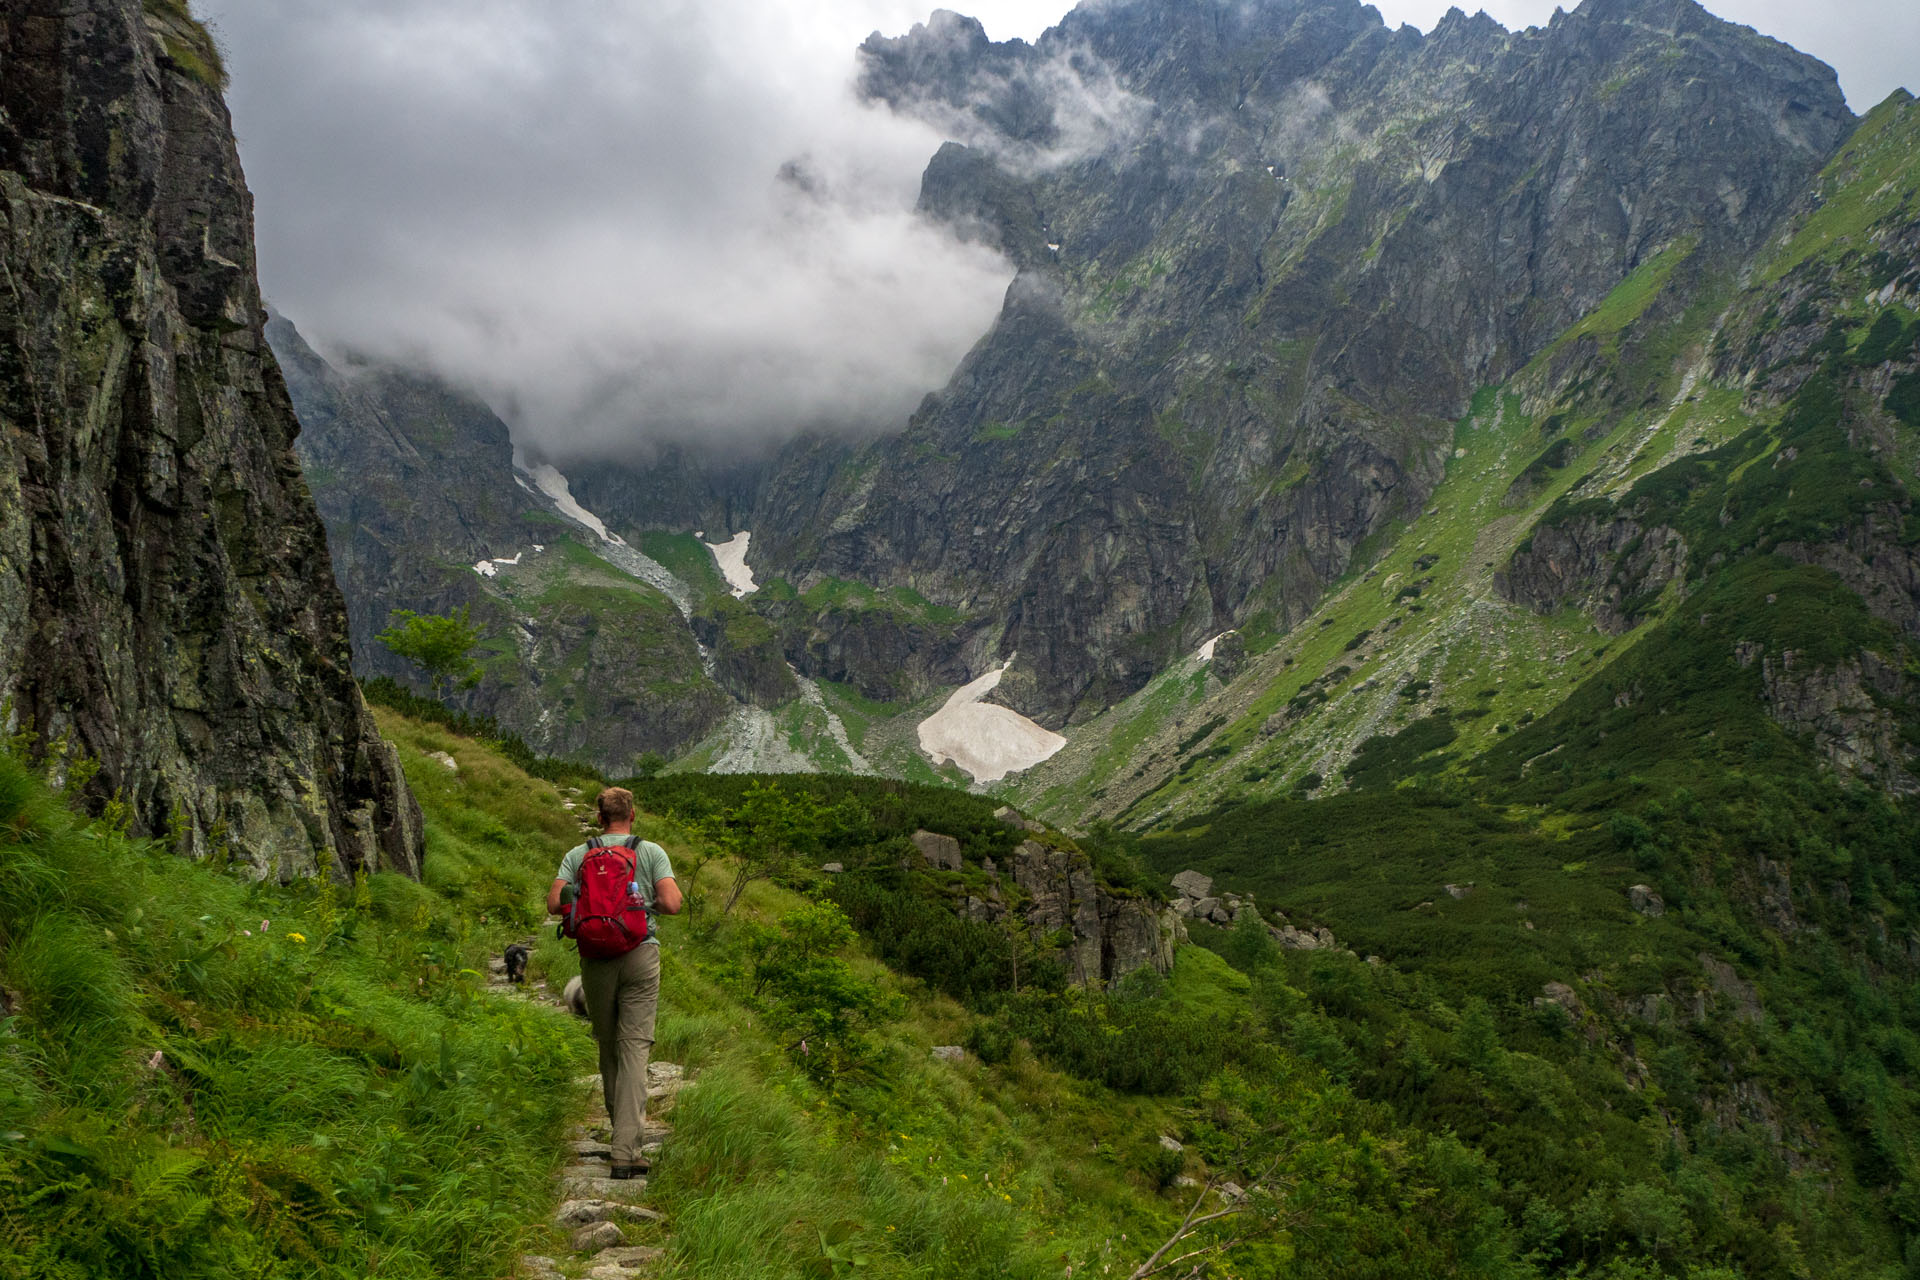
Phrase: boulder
{"type": "Point", "coordinates": [1170, 1143]}
{"type": "Point", "coordinates": [833, 868]}
{"type": "Point", "coordinates": [1192, 884]}
{"type": "Point", "coordinates": [949, 1053]}
{"type": "Point", "coordinates": [1644, 900]}
{"type": "Point", "coordinates": [941, 852]}
{"type": "Point", "coordinates": [1458, 891]}
{"type": "Point", "coordinates": [1019, 822]}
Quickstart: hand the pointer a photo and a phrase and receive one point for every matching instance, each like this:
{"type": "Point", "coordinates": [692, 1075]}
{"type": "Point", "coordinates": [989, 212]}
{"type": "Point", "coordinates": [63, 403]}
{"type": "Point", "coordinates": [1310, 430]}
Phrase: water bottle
{"type": "Point", "coordinates": [633, 893]}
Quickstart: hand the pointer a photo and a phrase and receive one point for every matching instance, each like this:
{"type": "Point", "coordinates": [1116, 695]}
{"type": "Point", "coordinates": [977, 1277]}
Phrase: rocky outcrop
{"type": "Point", "coordinates": [745, 651]}
{"type": "Point", "coordinates": [1111, 935]}
{"type": "Point", "coordinates": [1195, 900]}
{"type": "Point", "coordinates": [1605, 563]}
{"type": "Point", "coordinates": [1107, 934]}
{"type": "Point", "coordinates": [1846, 708]}
{"type": "Point", "coordinates": [942, 853]}
{"type": "Point", "coordinates": [166, 604]}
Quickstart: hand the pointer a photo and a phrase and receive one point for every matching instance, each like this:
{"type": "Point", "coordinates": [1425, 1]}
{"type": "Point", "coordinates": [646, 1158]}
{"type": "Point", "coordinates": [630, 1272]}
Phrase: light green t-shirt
{"type": "Point", "coordinates": [650, 864]}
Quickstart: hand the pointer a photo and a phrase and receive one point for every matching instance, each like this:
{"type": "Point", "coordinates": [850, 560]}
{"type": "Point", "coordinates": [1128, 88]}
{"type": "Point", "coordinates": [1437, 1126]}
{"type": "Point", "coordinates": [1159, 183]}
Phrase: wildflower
{"type": "Point", "coordinates": [296, 937]}
{"type": "Point", "coordinates": [963, 1177]}
{"type": "Point", "coordinates": [246, 933]}
{"type": "Point", "coordinates": [1006, 1197]}
{"type": "Point", "coordinates": [153, 1063]}
{"type": "Point", "coordinates": [264, 924]}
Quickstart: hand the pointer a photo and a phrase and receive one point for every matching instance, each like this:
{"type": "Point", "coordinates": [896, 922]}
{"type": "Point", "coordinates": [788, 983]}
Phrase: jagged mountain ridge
{"type": "Point", "coordinates": [1746, 444]}
{"type": "Point", "coordinates": [1279, 277]}
{"type": "Point", "coordinates": [1189, 418]}
{"type": "Point", "coordinates": [166, 610]}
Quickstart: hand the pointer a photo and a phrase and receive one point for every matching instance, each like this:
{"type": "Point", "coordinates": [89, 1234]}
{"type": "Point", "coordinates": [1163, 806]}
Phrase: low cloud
{"type": "Point", "coordinates": [619, 222]}
{"type": "Point", "coordinates": [1032, 109]}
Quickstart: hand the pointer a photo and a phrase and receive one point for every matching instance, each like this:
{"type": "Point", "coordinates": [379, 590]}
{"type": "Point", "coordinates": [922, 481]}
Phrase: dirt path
{"type": "Point", "coordinates": [601, 1215]}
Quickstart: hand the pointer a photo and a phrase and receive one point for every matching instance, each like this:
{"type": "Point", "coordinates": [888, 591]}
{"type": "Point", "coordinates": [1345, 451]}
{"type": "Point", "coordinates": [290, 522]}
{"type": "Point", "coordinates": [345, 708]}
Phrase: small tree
{"type": "Point", "coordinates": [438, 645]}
{"type": "Point", "coordinates": [771, 827]}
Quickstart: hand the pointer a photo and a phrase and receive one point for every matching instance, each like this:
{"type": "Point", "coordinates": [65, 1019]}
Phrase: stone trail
{"type": "Point", "coordinates": [601, 1215]}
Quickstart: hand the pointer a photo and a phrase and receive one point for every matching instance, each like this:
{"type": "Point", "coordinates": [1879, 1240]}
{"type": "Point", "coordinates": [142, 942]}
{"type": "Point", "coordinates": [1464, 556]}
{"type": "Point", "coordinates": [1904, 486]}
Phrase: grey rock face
{"type": "Point", "coordinates": [940, 852]}
{"type": "Point", "coordinates": [166, 605]}
{"type": "Point", "coordinates": [1599, 563]}
{"type": "Point", "coordinates": [1110, 936]}
{"type": "Point", "coordinates": [416, 483]}
{"type": "Point", "coordinates": [1234, 350]}
{"type": "Point", "coordinates": [1193, 885]}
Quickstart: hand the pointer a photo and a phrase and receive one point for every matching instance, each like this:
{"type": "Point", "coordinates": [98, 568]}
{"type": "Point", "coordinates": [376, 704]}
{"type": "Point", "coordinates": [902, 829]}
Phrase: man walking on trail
{"type": "Point", "coordinates": [622, 990]}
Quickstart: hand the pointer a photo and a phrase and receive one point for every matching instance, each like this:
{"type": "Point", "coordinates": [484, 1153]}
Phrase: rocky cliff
{"type": "Point", "coordinates": [1265, 252]}
{"type": "Point", "coordinates": [166, 606]}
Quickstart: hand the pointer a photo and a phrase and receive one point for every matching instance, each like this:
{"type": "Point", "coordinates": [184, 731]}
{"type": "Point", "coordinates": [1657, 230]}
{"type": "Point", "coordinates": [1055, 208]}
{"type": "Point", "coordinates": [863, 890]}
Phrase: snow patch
{"type": "Point", "coordinates": [1205, 651]}
{"type": "Point", "coordinates": [554, 485]}
{"type": "Point", "coordinates": [731, 556]}
{"type": "Point", "coordinates": [491, 568]}
{"type": "Point", "coordinates": [987, 741]}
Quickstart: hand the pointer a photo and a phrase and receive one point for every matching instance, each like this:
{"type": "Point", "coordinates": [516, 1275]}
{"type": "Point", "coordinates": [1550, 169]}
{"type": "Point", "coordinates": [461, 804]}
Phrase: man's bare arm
{"type": "Point", "coordinates": [666, 897]}
{"type": "Point", "coordinates": [553, 897]}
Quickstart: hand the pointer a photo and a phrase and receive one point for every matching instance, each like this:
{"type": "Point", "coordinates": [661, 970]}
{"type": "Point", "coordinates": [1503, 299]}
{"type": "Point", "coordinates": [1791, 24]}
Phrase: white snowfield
{"type": "Point", "coordinates": [554, 485]}
{"type": "Point", "coordinates": [1205, 652]}
{"type": "Point", "coordinates": [987, 741]}
{"type": "Point", "coordinates": [490, 568]}
{"type": "Point", "coordinates": [731, 556]}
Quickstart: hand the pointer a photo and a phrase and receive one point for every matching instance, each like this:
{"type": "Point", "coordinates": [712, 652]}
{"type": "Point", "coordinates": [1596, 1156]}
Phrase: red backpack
{"type": "Point", "coordinates": [608, 917]}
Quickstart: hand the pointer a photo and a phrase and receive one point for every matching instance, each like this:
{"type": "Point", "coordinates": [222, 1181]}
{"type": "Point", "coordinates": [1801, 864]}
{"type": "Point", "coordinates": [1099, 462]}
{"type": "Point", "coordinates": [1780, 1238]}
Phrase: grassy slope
{"type": "Point", "coordinates": [1307, 701]}
{"type": "Point", "coordinates": [331, 1096]}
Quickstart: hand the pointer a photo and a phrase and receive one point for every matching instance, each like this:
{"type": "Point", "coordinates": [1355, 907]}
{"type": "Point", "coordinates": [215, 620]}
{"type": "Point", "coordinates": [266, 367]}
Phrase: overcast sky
{"type": "Point", "coordinates": [574, 205]}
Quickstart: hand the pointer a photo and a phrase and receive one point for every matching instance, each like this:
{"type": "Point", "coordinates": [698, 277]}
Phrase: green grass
{"type": "Point", "coordinates": [1628, 301]}
{"type": "Point", "coordinates": [331, 1095]}
{"type": "Point", "coordinates": [686, 558]}
{"type": "Point", "coordinates": [188, 44]}
{"type": "Point", "coordinates": [1875, 175]}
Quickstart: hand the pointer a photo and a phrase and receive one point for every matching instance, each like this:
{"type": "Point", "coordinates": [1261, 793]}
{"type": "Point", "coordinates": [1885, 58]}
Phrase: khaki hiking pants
{"type": "Point", "coordinates": [621, 995]}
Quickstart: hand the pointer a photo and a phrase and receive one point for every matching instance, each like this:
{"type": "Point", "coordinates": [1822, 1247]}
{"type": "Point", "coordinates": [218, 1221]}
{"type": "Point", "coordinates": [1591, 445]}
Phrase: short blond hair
{"type": "Point", "coordinates": [615, 805]}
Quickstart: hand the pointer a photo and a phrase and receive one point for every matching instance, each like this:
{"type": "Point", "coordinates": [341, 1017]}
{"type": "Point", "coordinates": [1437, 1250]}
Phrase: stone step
{"type": "Point", "coordinates": [578, 1213]}
{"type": "Point", "coordinates": [587, 1185]}
{"type": "Point", "coordinates": [622, 1261]}
{"type": "Point", "coordinates": [597, 1235]}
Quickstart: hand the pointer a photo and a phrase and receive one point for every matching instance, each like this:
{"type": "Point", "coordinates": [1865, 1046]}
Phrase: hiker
{"type": "Point", "coordinates": [607, 889]}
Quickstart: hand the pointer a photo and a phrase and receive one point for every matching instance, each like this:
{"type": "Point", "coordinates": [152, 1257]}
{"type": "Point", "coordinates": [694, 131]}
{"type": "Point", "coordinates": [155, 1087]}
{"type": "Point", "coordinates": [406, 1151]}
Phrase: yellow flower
{"type": "Point", "coordinates": [296, 937]}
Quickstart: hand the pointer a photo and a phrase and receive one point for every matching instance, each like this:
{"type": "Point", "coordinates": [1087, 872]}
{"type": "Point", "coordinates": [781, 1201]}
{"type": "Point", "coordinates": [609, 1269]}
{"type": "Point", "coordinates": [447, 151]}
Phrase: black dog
{"type": "Point", "coordinates": [517, 962]}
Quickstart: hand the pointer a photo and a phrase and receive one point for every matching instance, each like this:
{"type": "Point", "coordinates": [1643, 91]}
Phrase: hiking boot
{"type": "Point", "coordinates": [638, 1169]}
